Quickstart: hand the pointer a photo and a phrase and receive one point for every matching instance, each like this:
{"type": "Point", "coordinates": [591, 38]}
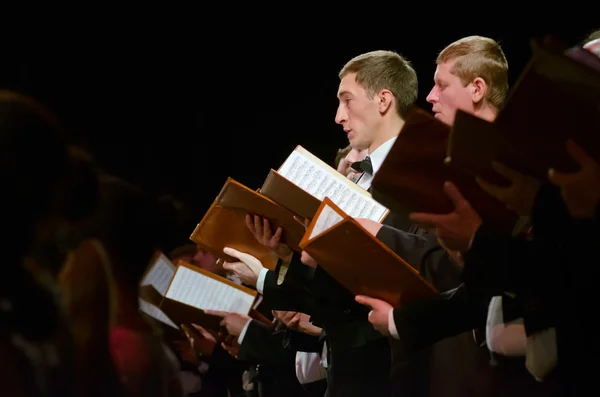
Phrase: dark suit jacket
{"type": "Point", "coordinates": [224, 375]}
{"type": "Point", "coordinates": [426, 366]}
{"type": "Point", "coordinates": [422, 323]}
{"type": "Point", "coordinates": [274, 369]}
{"type": "Point", "coordinates": [550, 274]}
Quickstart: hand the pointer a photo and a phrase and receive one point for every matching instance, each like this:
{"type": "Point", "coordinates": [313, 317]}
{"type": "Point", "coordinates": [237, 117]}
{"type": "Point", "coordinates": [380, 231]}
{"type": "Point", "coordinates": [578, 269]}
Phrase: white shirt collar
{"type": "Point", "coordinates": [379, 155]}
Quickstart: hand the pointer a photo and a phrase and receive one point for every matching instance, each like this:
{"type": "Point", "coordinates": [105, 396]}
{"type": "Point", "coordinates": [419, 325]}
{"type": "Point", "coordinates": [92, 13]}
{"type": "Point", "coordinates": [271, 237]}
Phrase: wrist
{"type": "Point", "coordinates": [285, 254]}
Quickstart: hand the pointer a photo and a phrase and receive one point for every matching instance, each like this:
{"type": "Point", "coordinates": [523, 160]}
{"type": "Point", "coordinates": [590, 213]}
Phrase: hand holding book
{"type": "Point", "coordinates": [233, 323]}
{"type": "Point", "coordinates": [261, 230]}
{"type": "Point", "coordinates": [456, 229]}
{"type": "Point", "coordinates": [247, 269]}
{"type": "Point", "coordinates": [519, 195]}
{"type": "Point", "coordinates": [379, 314]}
{"type": "Point", "coordinates": [580, 190]}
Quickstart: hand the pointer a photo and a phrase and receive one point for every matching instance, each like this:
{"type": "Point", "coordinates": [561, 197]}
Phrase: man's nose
{"type": "Point", "coordinates": [340, 115]}
{"type": "Point", "coordinates": [432, 97]}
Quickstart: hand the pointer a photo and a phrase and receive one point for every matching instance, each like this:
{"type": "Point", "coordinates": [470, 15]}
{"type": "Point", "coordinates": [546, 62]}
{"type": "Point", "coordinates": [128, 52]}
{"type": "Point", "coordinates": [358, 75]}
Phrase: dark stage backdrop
{"type": "Point", "coordinates": [178, 109]}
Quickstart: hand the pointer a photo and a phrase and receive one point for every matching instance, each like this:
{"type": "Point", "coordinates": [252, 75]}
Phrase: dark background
{"type": "Point", "coordinates": [179, 109]}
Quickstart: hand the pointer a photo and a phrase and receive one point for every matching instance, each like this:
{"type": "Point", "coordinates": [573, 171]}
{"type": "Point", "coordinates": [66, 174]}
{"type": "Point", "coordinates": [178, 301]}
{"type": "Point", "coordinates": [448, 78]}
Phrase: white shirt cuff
{"type": "Point", "coordinates": [243, 333]}
{"type": "Point", "coordinates": [392, 325]}
{"type": "Point", "coordinates": [260, 283]}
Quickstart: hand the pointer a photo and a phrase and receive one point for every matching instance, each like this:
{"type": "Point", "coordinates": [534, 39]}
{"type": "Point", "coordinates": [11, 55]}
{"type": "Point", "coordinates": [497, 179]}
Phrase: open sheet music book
{"type": "Point", "coordinates": [359, 261]}
{"type": "Point", "coordinates": [157, 314]}
{"type": "Point", "coordinates": [304, 180]}
{"type": "Point", "coordinates": [193, 290]}
{"type": "Point", "coordinates": [156, 279]}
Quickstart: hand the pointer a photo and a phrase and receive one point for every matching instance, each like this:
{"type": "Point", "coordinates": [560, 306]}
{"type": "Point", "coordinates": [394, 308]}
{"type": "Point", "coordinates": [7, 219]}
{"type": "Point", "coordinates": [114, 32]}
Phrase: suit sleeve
{"type": "Point", "coordinates": [423, 323]}
{"type": "Point", "coordinates": [410, 247]}
{"type": "Point", "coordinates": [299, 341]}
{"type": "Point", "coordinates": [262, 346]}
{"type": "Point", "coordinates": [290, 292]}
{"type": "Point", "coordinates": [423, 252]}
{"type": "Point", "coordinates": [221, 360]}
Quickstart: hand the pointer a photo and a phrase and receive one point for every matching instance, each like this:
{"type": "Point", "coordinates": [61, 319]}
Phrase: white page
{"type": "Point", "coordinates": [155, 312]}
{"type": "Point", "coordinates": [203, 292]}
{"type": "Point", "coordinates": [327, 218]}
{"type": "Point", "coordinates": [317, 178]}
{"type": "Point", "coordinates": [160, 274]}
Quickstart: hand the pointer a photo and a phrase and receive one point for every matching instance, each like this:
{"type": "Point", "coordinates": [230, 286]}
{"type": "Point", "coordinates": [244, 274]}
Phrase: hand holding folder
{"type": "Point", "coordinates": [456, 229]}
{"type": "Point", "coordinates": [360, 262]}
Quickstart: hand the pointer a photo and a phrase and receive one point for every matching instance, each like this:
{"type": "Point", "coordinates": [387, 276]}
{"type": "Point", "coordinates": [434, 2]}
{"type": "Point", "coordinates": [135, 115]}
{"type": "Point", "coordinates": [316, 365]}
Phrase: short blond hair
{"type": "Point", "coordinates": [378, 70]}
{"type": "Point", "coordinates": [478, 56]}
{"type": "Point", "coordinates": [341, 154]}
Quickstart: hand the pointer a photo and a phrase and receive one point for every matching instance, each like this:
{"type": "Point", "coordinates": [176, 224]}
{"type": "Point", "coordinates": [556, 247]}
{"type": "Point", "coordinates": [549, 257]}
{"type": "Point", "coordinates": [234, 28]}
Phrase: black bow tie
{"type": "Point", "coordinates": [363, 166]}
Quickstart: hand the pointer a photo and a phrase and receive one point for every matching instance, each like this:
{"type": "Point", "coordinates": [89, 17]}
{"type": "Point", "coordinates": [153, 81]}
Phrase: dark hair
{"type": "Point", "coordinates": [34, 164]}
{"type": "Point", "coordinates": [341, 154]}
{"type": "Point", "coordinates": [180, 219]}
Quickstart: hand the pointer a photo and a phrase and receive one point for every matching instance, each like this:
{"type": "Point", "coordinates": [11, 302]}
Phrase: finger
{"type": "Point", "coordinates": [277, 236]}
{"type": "Point", "coordinates": [287, 317]}
{"type": "Point", "coordinates": [300, 221]}
{"type": "Point", "coordinates": [217, 313]}
{"type": "Point", "coordinates": [370, 316]}
{"type": "Point", "coordinates": [294, 322]}
{"type": "Point", "coordinates": [232, 267]}
{"type": "Point", "coordinates": [491, 189]}
{"type": "Point", "coordinates": [560, 178]}
{"type": "Point", "coordinates": [258, 225]}
{"type": "Point", "coordinates": [267, 232]}
{"type": "Point", "coordinates": [223, 323]}
{"type": "Point", "coordinates": [366, 301]}
{"type": "Point", "coordinates": [429, 220]}
{"type": "Point", "coordinates": [306, 259]}
{"type": "Point", "coordinates": [202, 331]}
{"type": "Point", "coordinates": [580, 155]}
{"type": "Point", "coordinates": [250, 223]}
{"type": "Point", "coordinates": [236, 254]}
{"type": "Point", "coordinates": [454, 194]}
{"type": "Point", "coordinates": [507, 172]}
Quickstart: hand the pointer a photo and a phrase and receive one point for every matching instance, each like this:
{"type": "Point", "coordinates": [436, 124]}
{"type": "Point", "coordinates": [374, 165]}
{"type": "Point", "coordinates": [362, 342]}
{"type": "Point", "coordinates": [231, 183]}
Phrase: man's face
{"type": "Point", "coordinates": [449, 94]}
{"type": "Point", "coordinates": [345, 164]}
{"type": "Point", "coordinates": [356, 113]}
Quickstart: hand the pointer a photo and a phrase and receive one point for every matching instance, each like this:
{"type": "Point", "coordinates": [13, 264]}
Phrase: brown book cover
{"type": "Point", "coordinates": [411, 178]}
{"type": "Point", "coordinates": [474, 144]}
{"type": "Point", "coordinates": [194, 290]}
{"type": "Point", "coordinates": [290, 195]}
{"type": "Point", "coordinates": [224, 224]}
{"type": "Point", "coordinates": [303, 180]}
{"type": "Point", "coordinates": [360, 262]}
{"type": "Point", "coordinates": [556, 98]}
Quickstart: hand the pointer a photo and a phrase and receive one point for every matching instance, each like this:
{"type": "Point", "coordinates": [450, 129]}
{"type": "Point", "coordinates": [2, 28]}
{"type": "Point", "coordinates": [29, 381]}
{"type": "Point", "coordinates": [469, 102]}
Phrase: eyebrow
{"type": "Point", "coordinates": [343, 93]}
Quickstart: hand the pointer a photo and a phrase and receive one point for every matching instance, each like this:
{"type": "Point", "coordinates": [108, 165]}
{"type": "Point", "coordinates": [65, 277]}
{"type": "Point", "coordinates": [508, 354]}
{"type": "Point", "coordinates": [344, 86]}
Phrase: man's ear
{"type": "Point", "coordinates": [386, 100]}
{"type": "Point", "coordinates": [478, 89]}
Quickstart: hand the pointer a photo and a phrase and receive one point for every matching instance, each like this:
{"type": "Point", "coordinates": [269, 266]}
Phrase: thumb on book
{"type": "Point", "coordinates": [365, 300]}
{"type": "Point", "coordinates": [232, 252]}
